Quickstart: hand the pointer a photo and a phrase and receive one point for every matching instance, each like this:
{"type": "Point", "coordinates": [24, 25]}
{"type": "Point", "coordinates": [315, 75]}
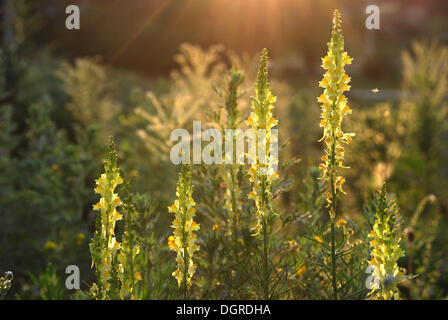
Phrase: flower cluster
{"type": "Point", "coordinates": [184, 228]}
{"type": "Point", "coordinates": [263, 172]}
{"type": "Point", "coordinates": [385, 249]}
{"type": "Point", "coordinates": [334, 108]}
{"type": "Point", "coordinates": [5, 284]}
{"type": "Point", "coordinates": [104, 246]}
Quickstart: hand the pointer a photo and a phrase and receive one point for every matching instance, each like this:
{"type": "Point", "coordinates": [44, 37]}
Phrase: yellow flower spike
{"type": "Point", "coordinates": [261, 172]}
{"type": "Point", "coordinates": [385, 248]}
{"type": "Point", "coordinates": [104, 247]}
{"type": "Point", "coordinates": [183, 239]}
{"type": "Point", "coordinates": [335, 82]}
{"type": "Point", "coordinates": [334, 108]}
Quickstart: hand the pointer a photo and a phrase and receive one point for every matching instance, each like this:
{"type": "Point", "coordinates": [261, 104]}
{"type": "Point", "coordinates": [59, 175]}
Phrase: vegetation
{"type": "Point", "coordinates": [288, 229]}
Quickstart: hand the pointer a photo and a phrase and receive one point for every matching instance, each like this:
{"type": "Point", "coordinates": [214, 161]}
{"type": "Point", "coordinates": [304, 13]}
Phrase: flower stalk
{"type": "Point", "coordinates": [385, 249]}
{"type": "Point", "coordinates": [334, 108]}
{"type": "Point", "coordinates": [104, 246]}
{"type": "Point", "coordinates": [262, 172]}
{"type": "Point", "coordinates": [184, 242]}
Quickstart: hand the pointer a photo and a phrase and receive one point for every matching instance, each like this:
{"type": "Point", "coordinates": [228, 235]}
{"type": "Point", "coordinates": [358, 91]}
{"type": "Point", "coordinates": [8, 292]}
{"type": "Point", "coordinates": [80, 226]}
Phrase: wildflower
{"type": "Point", "coordinates": [184, 227]}
{"type": "Point", "coordinates": [301, 271]}
{"type": "Point", "coordinates": [341, 222]}
{"type": "Point", "coordinates": [385, 248]}
{"type": "Point", "coordinates": [215, 227]}
{"type": "Point", "coordinates": [104, 246]}
{"type": "Point", "coordinates": [261, 171]}
{"type": "Point", "coordinates": [50, 245]}
{"type": "Point", "coordinates": [171, 242]}
{"type": "Point", "coordinates": [318, 239]}
{"type": "Point", "coordinates": [334, 109]}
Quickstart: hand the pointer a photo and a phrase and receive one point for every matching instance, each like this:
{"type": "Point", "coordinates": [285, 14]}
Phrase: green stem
{"type": "Point", "coordinates": [265, 235]}
{"type": "Point", "coordinates": [333, 262]}
{"type": "Point", "coordinates": [265, 259]}
{"type": "Point", "coordinates": [184, 240]}
{"type": "Point", "coordinates": [333, 207]}
{"type": "Point", "coordinates": [234, 210]}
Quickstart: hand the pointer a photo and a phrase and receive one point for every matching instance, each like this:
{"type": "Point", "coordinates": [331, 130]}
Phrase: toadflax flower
{"type": "Point", "coordinates": [385, 249]}
{"type": "Point", "coordinates": [334, 108]}
{"type": "Point", "coordinates": [104, 246]}
{"type": "Point", "coordinates": [184, 227]}
{"type": "Point", "coordinates": [263, 171]}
